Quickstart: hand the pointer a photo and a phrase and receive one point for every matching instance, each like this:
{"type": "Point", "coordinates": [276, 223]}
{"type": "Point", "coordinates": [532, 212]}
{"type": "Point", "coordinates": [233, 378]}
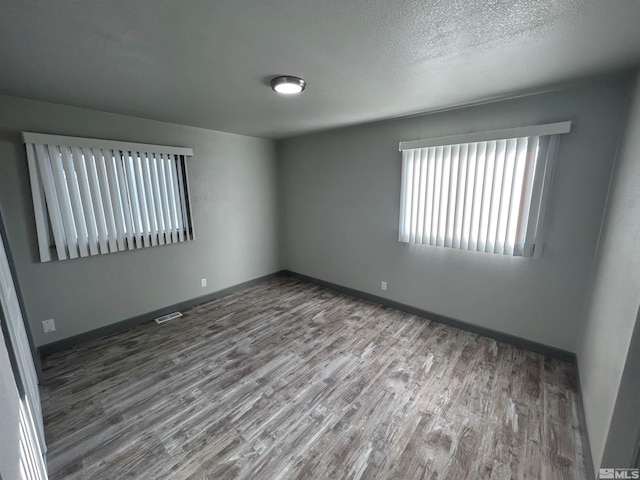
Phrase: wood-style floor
{"type": "Point", "coordinates": [288, 380]}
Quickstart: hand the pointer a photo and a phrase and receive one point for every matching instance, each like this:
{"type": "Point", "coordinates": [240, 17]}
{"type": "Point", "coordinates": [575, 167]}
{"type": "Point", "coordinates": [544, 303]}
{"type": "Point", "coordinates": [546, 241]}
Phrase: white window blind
{"type": "Point", "coordinates": [482, 192]}
{"type": "Point", "coordinates": [95, 196]}
{"type": "Point", "coordinates": [28, 415]}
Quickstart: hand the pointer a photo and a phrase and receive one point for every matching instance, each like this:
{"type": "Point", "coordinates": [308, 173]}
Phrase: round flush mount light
{"type": "Point", "coordinates": [288, 85]}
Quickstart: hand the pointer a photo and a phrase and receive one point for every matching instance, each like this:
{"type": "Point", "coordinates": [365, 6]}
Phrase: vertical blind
{"type": "Point", "coordinates": [485, 196]}
{"type": "Point", "coordinates": [29, 415]}
{"type": "Point", "coordinates": [32, 462]}
{"type": "Point", "coordinates": [94, 196]}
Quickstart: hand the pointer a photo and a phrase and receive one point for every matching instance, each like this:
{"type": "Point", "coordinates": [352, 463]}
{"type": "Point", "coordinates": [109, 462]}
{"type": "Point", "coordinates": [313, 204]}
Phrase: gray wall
{"type": "Point", "coordinates": [341, 194]}
{"type": "Point", "coordinates": [612, 312]}
{"type": "Point", "coordinates": [234, 193]}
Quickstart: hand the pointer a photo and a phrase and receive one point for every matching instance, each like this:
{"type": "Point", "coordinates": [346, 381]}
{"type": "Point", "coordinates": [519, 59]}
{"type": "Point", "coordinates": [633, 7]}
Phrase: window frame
{"type": "Point", "coordinates": [103, 208]}
{"type": "Point", "coordinates": [540, 184]}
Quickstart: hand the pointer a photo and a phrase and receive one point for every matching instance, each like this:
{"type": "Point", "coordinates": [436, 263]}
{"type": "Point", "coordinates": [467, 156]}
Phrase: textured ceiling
{"type": "Point", "coordinates": [207, 63]}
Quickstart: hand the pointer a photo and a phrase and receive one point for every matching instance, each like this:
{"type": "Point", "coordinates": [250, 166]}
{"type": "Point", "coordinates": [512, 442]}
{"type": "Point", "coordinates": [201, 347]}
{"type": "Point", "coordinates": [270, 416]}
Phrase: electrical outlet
{"type": "Point", "coordinates": [48, 326]}
{"type": "Point", "coordinates": [383, 286]}
{"type": "Point", "coordinates": [203, 282]}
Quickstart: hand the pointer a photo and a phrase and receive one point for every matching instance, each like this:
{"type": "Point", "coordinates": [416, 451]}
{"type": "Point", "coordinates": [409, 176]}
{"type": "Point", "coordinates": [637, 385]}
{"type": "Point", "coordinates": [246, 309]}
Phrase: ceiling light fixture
{"type": "Point", "coordinates": [288, 85]}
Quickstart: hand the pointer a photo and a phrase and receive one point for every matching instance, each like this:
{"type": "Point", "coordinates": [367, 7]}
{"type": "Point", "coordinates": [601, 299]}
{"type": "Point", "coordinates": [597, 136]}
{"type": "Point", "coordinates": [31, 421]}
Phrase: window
{"type": "Point", "coordinates": [20, 399]}
{"type": "Point", "coordinates": [482, 192]}
{"type": "Point", "coordinates": [94, 196]}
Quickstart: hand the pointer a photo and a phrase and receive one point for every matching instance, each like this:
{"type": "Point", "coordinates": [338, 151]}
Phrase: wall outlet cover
{"type": "Point", "coordinates": [383, 286]}
{"type": "Point", "coordinates": [48, 326]}
{"type": "Point", "coordinates": [203, 282]}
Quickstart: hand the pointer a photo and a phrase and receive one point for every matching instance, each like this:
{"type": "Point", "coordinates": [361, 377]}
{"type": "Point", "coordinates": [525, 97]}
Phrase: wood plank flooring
{"type": "Point", "coordinates": [288, 380]}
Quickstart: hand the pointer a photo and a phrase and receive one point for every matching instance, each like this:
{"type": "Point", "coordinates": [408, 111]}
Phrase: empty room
{"type": "Point", "coordinates": [298, 239]}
